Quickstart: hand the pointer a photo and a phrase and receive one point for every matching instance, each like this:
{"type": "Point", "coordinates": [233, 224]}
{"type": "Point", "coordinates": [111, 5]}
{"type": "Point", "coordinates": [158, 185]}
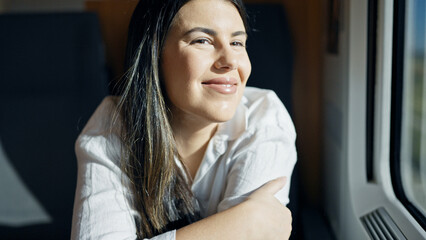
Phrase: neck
{"type": "Point", "coordinates": [192, 136]}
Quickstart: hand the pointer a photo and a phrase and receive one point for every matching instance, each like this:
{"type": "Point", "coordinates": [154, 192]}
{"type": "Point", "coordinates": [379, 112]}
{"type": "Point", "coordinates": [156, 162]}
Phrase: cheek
{"type": "Point", "coordinates": [174, 70]}
{"type": "Point", "coordinates": [195, 65]}
{"type": "Point", "coordinates": [245, 68]}
{"type": "Point", "coordinates": [185, 67]}
{"type": "Point", "coordinates": [182, 76]}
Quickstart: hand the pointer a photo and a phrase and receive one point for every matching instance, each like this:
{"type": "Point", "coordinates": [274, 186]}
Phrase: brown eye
{"type": "Point", "coordinates": [237, 44]}
{"type": "Point", "coordinates": [201, 41]}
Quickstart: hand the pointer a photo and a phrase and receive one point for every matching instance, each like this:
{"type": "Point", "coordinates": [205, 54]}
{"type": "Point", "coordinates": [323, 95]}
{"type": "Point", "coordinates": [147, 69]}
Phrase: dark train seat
{"type": "Point", "coordinates": [52, 77]}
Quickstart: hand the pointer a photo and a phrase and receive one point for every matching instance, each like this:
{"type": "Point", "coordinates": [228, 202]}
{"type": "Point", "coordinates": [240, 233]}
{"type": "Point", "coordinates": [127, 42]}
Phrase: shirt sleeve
{"type": "Point", "coordinates": [101, 209]}
{"type": "Point", "coordinates": [266, 155]}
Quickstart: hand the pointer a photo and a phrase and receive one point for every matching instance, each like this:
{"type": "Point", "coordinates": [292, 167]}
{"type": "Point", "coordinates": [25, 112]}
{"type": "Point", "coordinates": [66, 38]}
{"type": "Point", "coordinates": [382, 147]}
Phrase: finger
{"type": "Point", "coordinates": [273, 186]}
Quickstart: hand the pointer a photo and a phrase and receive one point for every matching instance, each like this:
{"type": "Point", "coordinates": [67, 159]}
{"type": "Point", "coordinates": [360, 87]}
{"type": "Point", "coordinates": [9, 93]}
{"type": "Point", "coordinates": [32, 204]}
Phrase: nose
{"type": "Point", "coordinates": [227, 59]}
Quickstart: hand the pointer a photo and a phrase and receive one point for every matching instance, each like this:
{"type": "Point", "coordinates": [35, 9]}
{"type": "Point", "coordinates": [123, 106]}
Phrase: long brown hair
{"type": "Point", "coordinates": [160, 191]}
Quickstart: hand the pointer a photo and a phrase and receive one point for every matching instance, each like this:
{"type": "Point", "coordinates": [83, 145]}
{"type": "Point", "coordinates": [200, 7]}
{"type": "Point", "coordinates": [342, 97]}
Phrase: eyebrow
{"type": "Point", "coordinates": [213, 32]}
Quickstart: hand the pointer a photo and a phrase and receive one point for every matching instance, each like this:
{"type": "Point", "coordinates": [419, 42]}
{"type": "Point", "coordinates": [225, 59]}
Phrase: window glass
{"type": "Point", "coordinates": [413, 131]}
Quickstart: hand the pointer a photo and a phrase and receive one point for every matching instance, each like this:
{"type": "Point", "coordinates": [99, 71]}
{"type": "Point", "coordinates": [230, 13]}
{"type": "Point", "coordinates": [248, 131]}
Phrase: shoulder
{"type": "Point", "coordinates": [99, 139]}
{"type": "Point", "coordinates": [102, 119]}
{"type": "Point", "coordinates": [264, 111]}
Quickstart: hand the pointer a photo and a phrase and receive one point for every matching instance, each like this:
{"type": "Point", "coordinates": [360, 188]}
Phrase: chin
{"type": "Point", "coordinates": [220, 119]}
{"type": "Point", "coordinates": [221, 116]}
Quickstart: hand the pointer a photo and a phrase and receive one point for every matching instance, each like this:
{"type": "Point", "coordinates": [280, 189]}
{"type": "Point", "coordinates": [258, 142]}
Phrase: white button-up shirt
{"type": "Point", "coordinates": [254, 147]}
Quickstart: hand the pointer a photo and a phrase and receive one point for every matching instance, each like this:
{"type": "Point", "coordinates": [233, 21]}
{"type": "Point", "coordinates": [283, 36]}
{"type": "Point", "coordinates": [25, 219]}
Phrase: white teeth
{"type": "Point", "coordinates": [227, 85]}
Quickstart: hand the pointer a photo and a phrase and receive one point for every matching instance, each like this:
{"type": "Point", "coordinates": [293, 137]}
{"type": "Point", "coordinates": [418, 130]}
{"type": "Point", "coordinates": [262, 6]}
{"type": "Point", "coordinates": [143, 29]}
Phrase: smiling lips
{"type": "Point", "coordinates": [222, 85]}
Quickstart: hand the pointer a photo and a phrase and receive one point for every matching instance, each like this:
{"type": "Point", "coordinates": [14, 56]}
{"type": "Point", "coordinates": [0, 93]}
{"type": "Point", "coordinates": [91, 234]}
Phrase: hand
{"type": "Point", "coordinates": [272, 218]}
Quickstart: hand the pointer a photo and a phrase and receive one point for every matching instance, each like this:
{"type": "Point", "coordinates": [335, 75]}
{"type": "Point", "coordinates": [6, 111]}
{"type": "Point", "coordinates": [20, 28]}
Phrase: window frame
{"type": "Point", "coordinates": [396, 109]}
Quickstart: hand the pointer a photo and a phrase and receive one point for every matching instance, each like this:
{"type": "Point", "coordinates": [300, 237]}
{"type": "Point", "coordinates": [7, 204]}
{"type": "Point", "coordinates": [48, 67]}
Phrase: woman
{"type": "Point", "coordinates": [186, 152]}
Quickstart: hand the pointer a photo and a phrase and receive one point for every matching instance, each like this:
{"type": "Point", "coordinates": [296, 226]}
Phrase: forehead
{"type": "Point", "coordinates": [215, 14]}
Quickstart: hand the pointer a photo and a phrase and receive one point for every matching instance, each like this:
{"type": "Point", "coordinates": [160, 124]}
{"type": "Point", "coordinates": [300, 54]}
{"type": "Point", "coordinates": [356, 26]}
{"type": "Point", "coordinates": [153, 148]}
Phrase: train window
{"type": "Point", "coordinates": [409, 108]}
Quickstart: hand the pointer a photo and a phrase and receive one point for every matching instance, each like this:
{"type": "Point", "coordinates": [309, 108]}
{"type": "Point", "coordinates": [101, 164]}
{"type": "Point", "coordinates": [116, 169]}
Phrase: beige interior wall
{"type": "Point", "coordinates": [114, 16]}
{"type": "Point", "coordinates": [306, 20]}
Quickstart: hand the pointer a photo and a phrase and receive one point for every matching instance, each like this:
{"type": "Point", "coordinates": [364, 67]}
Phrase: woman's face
{"type": "Point", "coordinates": [204, 61]}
